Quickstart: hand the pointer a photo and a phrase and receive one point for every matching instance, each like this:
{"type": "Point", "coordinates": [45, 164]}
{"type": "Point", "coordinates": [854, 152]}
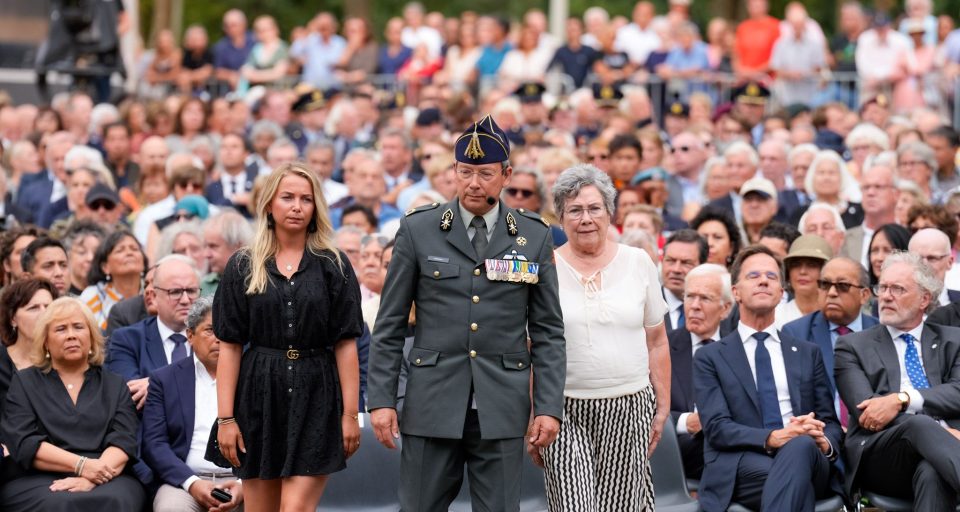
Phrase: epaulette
{"type": "Point", "coordinates": [423, 208]}
{"type": "Point", "coordinates": [533, 215]}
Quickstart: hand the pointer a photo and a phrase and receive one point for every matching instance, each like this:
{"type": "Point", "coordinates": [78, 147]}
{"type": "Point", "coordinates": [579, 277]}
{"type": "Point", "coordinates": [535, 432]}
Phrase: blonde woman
{"type": "Point", "coordinates": [70, 460]}
{"type": "Point", "coordinates": [287, 408]}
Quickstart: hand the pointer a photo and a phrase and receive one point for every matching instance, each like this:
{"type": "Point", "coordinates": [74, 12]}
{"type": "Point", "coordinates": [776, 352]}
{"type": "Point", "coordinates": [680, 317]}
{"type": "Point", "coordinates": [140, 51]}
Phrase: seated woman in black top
{"type": "Point", "coordinates": [70, 425]}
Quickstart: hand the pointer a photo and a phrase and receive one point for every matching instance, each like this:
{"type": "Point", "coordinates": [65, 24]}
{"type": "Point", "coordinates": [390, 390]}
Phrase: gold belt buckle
{"type": "Point", "coordinates": [293, 354]}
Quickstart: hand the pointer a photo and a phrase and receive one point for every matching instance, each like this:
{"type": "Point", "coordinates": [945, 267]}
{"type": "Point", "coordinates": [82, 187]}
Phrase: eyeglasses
{"type": "Point", "coordinates": [841, 287]}
{"type": "Point", "coordinates": [183, 217]}
{"type": "Point", "coordinates": [177, 293]}
{"type": "Point", "coordinates": [380, 239]}
{"type": "Point", "coordinates": [519, 192]}
{"type": "Point", "coordinates": [467, 175]}
{"type": "Point", "coordinates": [102, 205]}
{"type": "Point", "coordinates": [895, 289]}
{"type": "Point", "coordinates": [753, 276]}
{"type": "Point", "coordinates": [576, 213]}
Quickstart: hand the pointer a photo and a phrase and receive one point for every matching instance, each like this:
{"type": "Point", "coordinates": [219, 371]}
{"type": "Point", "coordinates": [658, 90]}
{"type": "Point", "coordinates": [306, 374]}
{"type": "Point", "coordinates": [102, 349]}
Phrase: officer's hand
{"type": "Point", "coordinates": [544, 430]}
{"type": "Point", "coordinates": [384, 421]}
{"type": "Point", "coordinates": [535, 455]}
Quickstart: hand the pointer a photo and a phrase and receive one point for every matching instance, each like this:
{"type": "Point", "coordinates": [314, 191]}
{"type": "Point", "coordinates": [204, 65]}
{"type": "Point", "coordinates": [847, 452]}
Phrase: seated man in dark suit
{"type": "Point", "coordinates": [180, 412]}
{"type": "Point", "coordinates": [904, 399]}
{"type": "Point", "coordinates": [137, 350]}
{"type": "Point", "coordinates": [771, 437]}
{"type": "Point", "coordinates": [844, 290]}
{"type": "Point", "coordinates": [684, 250]}
{"type": "Point", "coordinates": [946, 315]}
{"type": "Point", "coordinates": [706, 300]}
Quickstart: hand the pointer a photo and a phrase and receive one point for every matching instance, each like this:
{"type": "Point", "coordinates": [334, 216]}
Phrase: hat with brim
{"type": "Point", "coordinates": [101, 192]}
{"type": "Point", "coordinates": [759, 185]}
{"type": "Point", "coordinates": [809, 246]}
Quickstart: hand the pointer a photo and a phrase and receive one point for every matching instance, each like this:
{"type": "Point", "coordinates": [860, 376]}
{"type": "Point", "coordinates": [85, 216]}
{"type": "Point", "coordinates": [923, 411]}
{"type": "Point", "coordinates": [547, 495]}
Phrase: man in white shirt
{"type": "Point", "coordinates": [878, 184]}
{"type": "Point", "coordinates": [638, 38]}
{"type": "Point", "coordinates": [416, 32]}
{"type": "Point", "coordinates": [179, 415]}
{"type": "Point", "coordinates": [771, 435]}
{"type": "Point", "coordinates": [707, 300]}
{"type": "Point", "coordinates": [320, 156]}
{"type": "Point", "coordinates": [900, 381]}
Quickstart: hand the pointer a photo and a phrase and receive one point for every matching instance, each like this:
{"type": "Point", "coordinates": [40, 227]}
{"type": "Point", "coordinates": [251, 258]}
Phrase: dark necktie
{"type": "Point", "coordinates": [766, 385]}
{"type": "Point", "coordinates": [681, 320]}
{"type": "Point", "coordinates": [480, 237]}
{"type": "Point", "coordinates": [179, 347]}
{"type": "Point", "coordinates": [911, 360]}
{"type": "Point", "coordinates": [844, 412]}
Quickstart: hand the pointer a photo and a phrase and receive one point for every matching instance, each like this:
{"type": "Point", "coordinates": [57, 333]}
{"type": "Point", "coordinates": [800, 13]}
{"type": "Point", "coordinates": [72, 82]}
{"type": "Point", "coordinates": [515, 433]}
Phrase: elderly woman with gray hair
{"type": "Point", "coordinates": [617, 392]}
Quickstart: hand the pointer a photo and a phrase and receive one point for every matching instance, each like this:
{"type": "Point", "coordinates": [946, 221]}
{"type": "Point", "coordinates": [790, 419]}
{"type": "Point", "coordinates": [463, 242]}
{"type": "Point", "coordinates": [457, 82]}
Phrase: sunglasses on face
{"type": "Point", "coordinates": [519, 192]}
{"type": "Point", "coordinates": [183, 217]}
{"type": "Point", "coordinates": [102, 205]}
{"type": "Point", "coordinates": [841, 287]}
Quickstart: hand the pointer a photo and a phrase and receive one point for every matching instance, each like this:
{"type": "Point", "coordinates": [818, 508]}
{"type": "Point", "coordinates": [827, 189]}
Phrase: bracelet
{"type": "Point", "coordinates": [78, 469]}
{"type": "Point", "coordinates": [354, 416]}
{"type": "Point", "coordinates": [226, 421]}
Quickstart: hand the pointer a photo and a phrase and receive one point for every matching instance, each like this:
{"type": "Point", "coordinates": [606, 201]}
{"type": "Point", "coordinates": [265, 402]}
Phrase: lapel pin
{"type": "Point", "coordinates": [446, 220]}
{"type": "Point", "coordinates": [522, 241]}
{"type": "Point", "coordinates": [933, 346]}
{"type": "Point", "coordinates": [793, 348]}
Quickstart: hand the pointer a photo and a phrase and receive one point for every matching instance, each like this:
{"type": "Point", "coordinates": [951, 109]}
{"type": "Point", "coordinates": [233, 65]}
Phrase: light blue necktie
{"type": "Point", "coordinates": [911, 361]}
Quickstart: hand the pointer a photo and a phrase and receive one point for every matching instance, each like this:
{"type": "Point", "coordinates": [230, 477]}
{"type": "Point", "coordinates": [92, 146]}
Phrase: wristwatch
{"type": "Point", "coordinates": [904, 399]}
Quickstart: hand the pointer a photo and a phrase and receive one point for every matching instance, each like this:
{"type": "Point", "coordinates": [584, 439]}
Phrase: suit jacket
{"type": "Point", "coordinates": [946, 315]}
{"type": "Point", "coordinates": [954, 296]}
{"type": "Point", "coordinates": [853, 243]}
{"type": "Point", "coordinates": [867, 366]}
{"type": "Point", "coordinates": [126, 312]}
{"type": "Point", "coordinates": [674, 206]}
{"type": "Point", "coordinates": [215, 194]}
{"type": "Point", "coordinates": [168, 418]}
{"type": "Point", "coordinates": [471, 331]}
{"type": "Point", "coordinates": [815, 328]}
{"type": "Point", "coordinates": [136, 350]}
{"type": "Point", "coordinates": [789, 202]}
{"type": "Point", "coordinates": [54, 212]}
{"type": "Point", "coordinates": [681, 373]}
{"type": "Point", "coordinates": [726, 396]}
{"type": "Point", "coordinates": [34, 196]}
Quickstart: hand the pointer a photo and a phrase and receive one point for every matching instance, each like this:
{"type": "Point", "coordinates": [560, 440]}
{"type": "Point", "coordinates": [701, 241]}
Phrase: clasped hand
{"type": "Point", "coordinates": [806, 425]}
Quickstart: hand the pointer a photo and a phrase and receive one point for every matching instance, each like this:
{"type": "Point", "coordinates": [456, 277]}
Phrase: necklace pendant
{"type": "Point", "coordinates": [70, 386]}
{"type": "Point", "coordinates": [289, 268]}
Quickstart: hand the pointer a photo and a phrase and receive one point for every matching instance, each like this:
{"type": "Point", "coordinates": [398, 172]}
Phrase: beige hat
{"type": "Point", "coordinates": [760, 185]}
{"type": "Point", "coordinates": [810, 246]}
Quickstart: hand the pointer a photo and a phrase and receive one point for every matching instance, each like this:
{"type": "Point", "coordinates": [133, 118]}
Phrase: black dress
{"type": "Point", "coordinates": [289, 411]}
{"type": "Point", "coordinates": [39, 409]}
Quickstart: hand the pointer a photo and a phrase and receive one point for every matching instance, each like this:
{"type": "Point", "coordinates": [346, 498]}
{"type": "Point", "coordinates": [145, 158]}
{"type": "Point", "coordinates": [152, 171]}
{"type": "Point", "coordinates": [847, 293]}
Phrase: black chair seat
{"type": "Point", "coordinates": [888, 503]}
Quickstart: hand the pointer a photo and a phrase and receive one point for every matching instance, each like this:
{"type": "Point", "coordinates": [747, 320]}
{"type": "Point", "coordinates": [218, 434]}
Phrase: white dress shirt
{"type": "Point", "coordinates": [698, 343]}
{"type": "Point", "coordinates": [204, 415]}
{"type": "Point", "coordinates": [675, 305]}
{"type": "Point", "coordinates": [772, 345]}
{"type": "Point", "coordinates": [233, 185]}
{"type": "Point", "coordinates": [168, 344]}
{"type": "Point", "coordinates": [637, 42]}
{"type": "Point", "coordinates": [916, 399]}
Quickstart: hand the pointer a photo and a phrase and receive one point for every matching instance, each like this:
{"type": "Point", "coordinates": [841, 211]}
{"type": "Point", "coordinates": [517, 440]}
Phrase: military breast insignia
{"type": "Point", "coordinates": [521, 241]}
{"type": "Point", "coordinates": [511, 225]}
{"type": "Point", "coordinates": [513, 268]}
{"type": "Point", "coordinates": [446, 220]}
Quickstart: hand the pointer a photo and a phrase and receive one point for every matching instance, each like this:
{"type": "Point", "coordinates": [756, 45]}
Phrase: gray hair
{"type": "Point", "coordinates": [349, 230]}
{"type": "Point", "coordinates": [641, 240]}
{"type": "Point", "coordinates": [921, 151]}
{"type": "Point", "coordinates": [235, 230]}
{"type": "Point", "coordinates": [923, 274]}
{"type": "Point", "coordinates": [175, 257]}
{"type": "Point", "coordinates": [81, 229]}
{"type": "Point", "coordinates": [801, 149]}
{"type": "Point", "coordinates": [265, 127]}
{"type": "Point", "coordinates": [279, 144]}
{"type": "Point", "coordinates": [101, 114]}
{"type": "Point", "coordinates": [744, 148]}
{"type": "Point", "coordinates": [573, 180]}
{"type": "Point", "coordinates": [849, 188]}
{"type": "Point", "coordinates": [395, 132]}
{"type": "Point", "coordinates": [169, 235]}
{"type": "Point", "coordinates": [821, 206]}
{"type": "Point", "coordinates": [199, 311]}
{"type": "Point", "coordinates": [88, 155]}
{"type": "Point", "coordinates": [537, 179]}
{"type": "Point", "coordinates": [707, 170]}
{"type": "Point", "coordinates": [317, 145]}
{"type": "Point", "coordinates": [870, 133]}
{"type": "Point", "coordinates": [202, 141]}
{"type": "Point", "coordinates": [712, 269]}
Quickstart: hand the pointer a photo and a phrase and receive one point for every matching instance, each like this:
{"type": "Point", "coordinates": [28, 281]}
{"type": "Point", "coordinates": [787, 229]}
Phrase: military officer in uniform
{"type": "Point", "coordinates": [483, 279]}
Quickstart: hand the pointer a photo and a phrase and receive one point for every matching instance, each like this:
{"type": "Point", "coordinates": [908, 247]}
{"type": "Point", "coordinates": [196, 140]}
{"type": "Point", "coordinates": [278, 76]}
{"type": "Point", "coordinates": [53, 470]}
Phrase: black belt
{"type": "Point", "coordinates": [292, 354]}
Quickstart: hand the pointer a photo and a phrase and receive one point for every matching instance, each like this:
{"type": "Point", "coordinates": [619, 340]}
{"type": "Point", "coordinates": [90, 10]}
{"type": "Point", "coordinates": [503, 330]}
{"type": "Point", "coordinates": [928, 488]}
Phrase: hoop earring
{"type": "Point", "coordinates": [271, 224]}
{"type": "Point", "coordinates": [312, 227]}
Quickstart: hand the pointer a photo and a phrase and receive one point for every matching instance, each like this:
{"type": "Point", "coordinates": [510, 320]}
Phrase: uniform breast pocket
{"type": "Point", "coordinates": [438, 270]}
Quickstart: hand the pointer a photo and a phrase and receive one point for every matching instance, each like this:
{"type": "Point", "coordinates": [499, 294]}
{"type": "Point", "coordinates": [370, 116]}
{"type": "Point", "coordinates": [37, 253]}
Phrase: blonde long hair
{"type": "Point", "coordinates": [264, 245]}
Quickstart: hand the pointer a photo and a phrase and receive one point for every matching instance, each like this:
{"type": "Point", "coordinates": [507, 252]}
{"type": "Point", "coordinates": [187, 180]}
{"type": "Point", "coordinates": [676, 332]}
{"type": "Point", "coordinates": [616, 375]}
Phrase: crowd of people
{"type": "Point", "coordinates": [206, 282]}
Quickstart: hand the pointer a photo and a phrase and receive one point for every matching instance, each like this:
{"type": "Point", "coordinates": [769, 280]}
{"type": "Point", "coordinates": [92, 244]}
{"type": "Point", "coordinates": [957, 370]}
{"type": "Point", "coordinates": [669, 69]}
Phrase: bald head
{"type": "Point", "coordinates": [933, 246]}
{"type": "Point", "coordinates": [154, 151]}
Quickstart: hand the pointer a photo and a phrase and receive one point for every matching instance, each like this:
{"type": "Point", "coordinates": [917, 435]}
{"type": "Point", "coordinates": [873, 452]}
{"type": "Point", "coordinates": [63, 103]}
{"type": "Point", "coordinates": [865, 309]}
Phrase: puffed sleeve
{"type": "Point", "coordinates": [346, 318]}
{"type": "Point", "coordinates": [230, 306]}
{"type": "Point", "coordinates": [124, 426]}
{"type": "Point", "coordinates": [654, 307]}
{"type": "Point", "coordinates": [21, 427]}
